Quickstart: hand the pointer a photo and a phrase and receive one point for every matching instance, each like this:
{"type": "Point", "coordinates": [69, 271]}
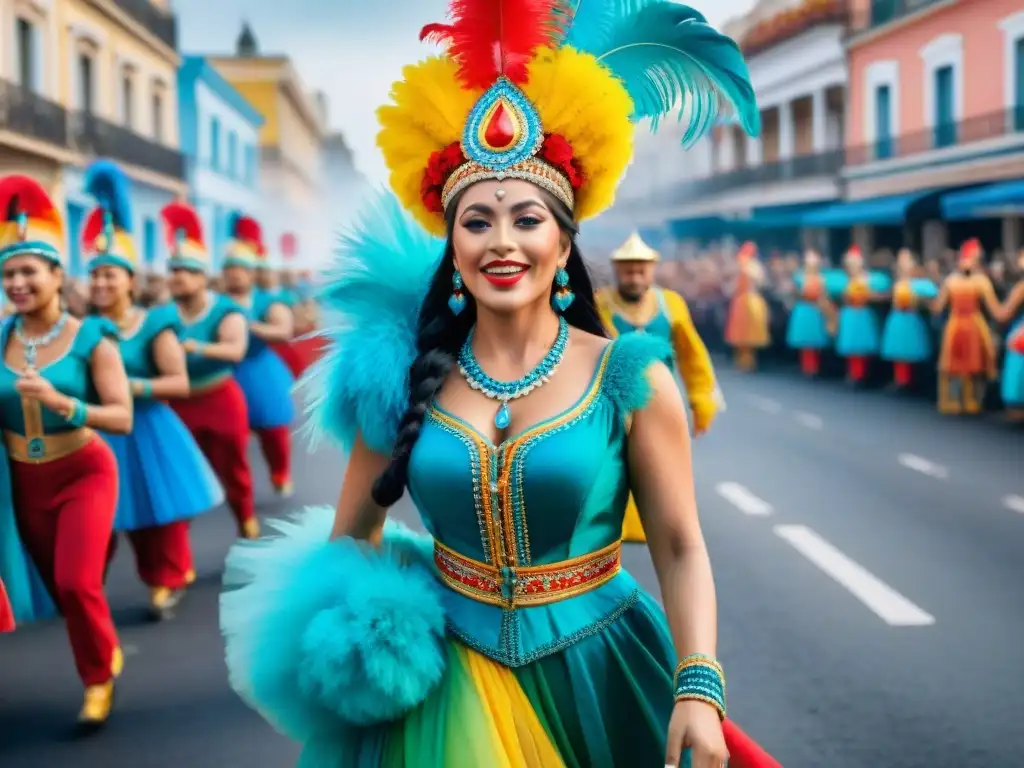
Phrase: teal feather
{"type": "Point", "coordinates": [625, 381]}
{"type": "Point", "coordinates": [667, 55]}
{"type": "Point", "coordinates": [592, 22]}
{"type": "Point", "coordinates": [109, 186]}
{"type": "Point", "coordinates": [370, 301]}
{"type": "Point", "coordinates": [835, 281]}
{"type": "Point", "coordinates": [880, 282]}
{"type": "Point", "coordinates": [924, 288]}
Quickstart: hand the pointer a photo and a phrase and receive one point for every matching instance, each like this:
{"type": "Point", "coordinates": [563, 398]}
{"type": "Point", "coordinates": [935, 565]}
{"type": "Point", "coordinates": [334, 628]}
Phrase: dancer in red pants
{"type": "Point", "coordinates": [264, 377]}
{"type": "Point", "coordinates": [215, 337]}
{"type": "Point", "coordinates": [62, 379]}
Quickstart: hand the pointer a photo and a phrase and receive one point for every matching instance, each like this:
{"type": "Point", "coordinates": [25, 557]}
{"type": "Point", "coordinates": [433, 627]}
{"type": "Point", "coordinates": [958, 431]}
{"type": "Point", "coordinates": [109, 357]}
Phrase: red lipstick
{"type": "Point", "coordinates": [505, 279]}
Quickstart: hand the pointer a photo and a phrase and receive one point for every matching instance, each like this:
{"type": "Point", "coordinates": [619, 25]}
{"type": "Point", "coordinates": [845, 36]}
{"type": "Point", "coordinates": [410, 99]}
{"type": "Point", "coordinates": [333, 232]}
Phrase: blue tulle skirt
{"type": "Point", "coordinates": [1012, 382]}
{"type": "Point", "coordinates": [267, 384]}
{"type": "Point", "coordinates": [858, 332]}
{"type": "Point", "coordinates": [807, 328]}
{"type": "Point", "coordinates": [905, 338]}
{"type": "Point", "coordinates": [29, 597]}
{"type": "Point", "coordinates": [164, 477]}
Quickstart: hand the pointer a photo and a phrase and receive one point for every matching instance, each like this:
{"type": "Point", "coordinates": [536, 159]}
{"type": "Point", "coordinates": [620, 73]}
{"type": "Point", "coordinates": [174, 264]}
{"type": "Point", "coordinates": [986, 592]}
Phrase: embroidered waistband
{"type": "Point", "coordinates": [39, 450]}
{"type": "Point", "coordinates": [533, 585]}
{"type": "Point", "coordinates": [209, 383]}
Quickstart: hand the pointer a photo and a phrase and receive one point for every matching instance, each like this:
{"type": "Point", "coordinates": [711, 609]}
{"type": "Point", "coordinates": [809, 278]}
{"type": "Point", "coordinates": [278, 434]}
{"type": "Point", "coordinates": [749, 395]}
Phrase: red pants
{"type": "Point", "coordinates": [163, 555]}
{"type": "Point", "coordinates": [65, 510]}
{"type": "Point", "coordinates": [219, 421]}
{"type": "Point", "coordinates": [6, 612]}
{"type": "Point", "coordinates": [288, 352]}
{"type": "Point", "coordinates": [276, 443]}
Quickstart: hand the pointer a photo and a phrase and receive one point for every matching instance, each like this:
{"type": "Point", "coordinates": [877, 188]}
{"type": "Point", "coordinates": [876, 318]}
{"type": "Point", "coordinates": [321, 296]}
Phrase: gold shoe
{"type": "Point", "coordinates": [285, 489]}
{"type": "Point", "coordinates": [190, 576]}
{"type": "Point", "coordinates": [251, 529]}
{"type": "Point", "coordinates": [163, 600]}
{"type": "Point", "coordinates": [98, 704]}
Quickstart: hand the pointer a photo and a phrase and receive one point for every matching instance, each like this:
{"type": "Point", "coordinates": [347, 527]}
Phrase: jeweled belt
{"type": "Point", "coordinates": [44, 448]}
{"type": "Point", "coordinates": [512, 587]}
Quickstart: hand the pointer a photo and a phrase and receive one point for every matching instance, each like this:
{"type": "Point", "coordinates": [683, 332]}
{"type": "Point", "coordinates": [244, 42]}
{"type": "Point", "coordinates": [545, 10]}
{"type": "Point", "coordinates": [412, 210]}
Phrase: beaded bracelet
{"type": "Point", "coordinates": [700, 678]}
{"type": "Point", "coordinates": [142, 387]}
{"type": "Point", "coordinates": [77, 414]}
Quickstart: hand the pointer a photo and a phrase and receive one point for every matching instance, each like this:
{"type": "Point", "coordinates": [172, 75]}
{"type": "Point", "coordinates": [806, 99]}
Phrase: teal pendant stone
{"type": "Point", "coordinates": [503, 417]}
{"type": "Point", "coordinates": [456, 303]}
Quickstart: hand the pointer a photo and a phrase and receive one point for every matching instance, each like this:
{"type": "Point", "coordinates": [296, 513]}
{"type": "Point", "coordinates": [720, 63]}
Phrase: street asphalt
{"type": "Point", "coordinates": [869, 557]}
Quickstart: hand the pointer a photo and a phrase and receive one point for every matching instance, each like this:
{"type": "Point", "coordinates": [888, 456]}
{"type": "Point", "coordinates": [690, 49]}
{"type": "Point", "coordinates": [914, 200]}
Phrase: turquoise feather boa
{"type": "Point", "coordinates": [370, 302]}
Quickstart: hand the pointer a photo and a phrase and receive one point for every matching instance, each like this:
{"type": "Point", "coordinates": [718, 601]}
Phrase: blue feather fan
{"type": "Point", "coordinates": [109, 186]}
{"type": "Point", "coordinates": [371, 301]}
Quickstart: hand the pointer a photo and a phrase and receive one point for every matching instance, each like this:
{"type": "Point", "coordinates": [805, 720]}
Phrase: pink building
{"type": "Point", "coordinates": [935, 122]}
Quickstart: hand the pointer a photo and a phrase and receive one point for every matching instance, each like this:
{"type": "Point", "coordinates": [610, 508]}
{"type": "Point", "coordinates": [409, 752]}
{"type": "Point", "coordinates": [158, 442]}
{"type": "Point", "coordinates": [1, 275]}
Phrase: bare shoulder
{"type": "Point", "coordinates": [588, 344]}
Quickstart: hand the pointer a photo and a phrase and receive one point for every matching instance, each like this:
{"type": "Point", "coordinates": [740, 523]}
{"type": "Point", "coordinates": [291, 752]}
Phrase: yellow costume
{"type": "Point", "coordinates": [663, 312]}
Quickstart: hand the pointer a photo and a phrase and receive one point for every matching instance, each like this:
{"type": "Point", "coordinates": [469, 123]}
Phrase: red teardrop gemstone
{"type": "Point", "coordinates": [500, 130]}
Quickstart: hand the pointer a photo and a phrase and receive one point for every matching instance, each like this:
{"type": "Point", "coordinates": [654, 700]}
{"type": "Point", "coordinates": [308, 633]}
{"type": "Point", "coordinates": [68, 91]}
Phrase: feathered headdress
{"type": "Point", "coordinates": [185, 242]}
{"type": "Point", "coordinates": [107, 233]}
{"type": "Point", "coordinates": [246, 248]}
{"type": "Point", "coordinates": [970, 253]}
{"type": "Point", "coordinates": [30, 223]}
{"type": "Point", "coordinates": [746, 253]}
{"type": "Point", "coordinates": [534, 90]}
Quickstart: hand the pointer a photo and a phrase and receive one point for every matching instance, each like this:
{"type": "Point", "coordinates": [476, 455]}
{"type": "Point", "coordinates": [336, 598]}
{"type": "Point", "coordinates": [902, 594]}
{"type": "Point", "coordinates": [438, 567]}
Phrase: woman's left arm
{"type": "Point", "coordinates": [279, 325]}
{"type": "Point", "coordinates": [660, 465]}
{"type": "Point", "coordinates": [114, 413]}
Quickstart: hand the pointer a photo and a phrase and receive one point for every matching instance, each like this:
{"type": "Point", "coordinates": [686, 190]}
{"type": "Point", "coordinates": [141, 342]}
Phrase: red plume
{"type": "Point", "coordinates": [971, 248]}
{"type": "Point", "coordinates": [248, 230]}
{"type": "Point", "coordinates": [491, 38]}
{"type": "Point", "coordinates": [181, 217]}
{"type": "Point", "coordinates": [21, 194]}
{"type": "Point", "coordinates": [93, 228]}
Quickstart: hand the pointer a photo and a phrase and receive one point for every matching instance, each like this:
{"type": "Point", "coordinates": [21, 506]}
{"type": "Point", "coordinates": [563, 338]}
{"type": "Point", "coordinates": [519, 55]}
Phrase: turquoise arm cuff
{"type": "Point", "coordinates": [700, 678]}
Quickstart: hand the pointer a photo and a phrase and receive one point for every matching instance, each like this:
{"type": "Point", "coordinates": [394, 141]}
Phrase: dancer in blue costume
{"type": "Point", "coordinates": [906, 339]}
{"type": "Point", "coordinates": [165, 480]}
{"type": "Point", "coordinates": [1012, 379]}
{"type": "Point", "coordinates": [859, 337]}
{"type": "Point", "coordinates": [263, 376]}
{"type": "Point", "coordinates": [481, 380]}
{"type": "Point", "coordinates": [811, 323]}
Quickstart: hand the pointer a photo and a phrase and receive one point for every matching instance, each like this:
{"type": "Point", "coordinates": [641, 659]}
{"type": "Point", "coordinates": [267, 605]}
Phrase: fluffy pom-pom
{"type": "Point", "coordinates": [304, 619]}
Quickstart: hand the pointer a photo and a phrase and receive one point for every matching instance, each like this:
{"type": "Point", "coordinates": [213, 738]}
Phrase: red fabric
{"type": "Point", "coordinates": [287, 351]}
{"type": "Point", "coordinates": [276, 443]}
{"type": "Point", "coordinates": [1016, 342]}
{"type": "Point", "coordinates": [6, 612]}
{"type": "Point", "coordinates": [65, 510]}
{"type": "Point", "coordinates": [163, 555]}
{"type": "Point", "coordinates": [901, 372]}
{"type": "Point", "coordinates": [219, 421]}
{"type": "Point", "coordinates": [809, 361]}
{"type": "Point", "coordinates": [744, 752]}
{"type": "Point", "coordinates": [857, 368]}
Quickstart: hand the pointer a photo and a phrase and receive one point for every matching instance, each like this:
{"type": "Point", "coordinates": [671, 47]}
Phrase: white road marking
{"type": "Point", "coordinates": [922, 465]}
{"type": "Point", "coordinates": [809, 420]}
{"type": "Point", "coordinates": [743, 500]}
{"type": "Point", "coordinates": [766, 405]}
{"type": "Point", "coordinates": [1014, 503]}
{"type": "Point", "coordinates": [885, 602]}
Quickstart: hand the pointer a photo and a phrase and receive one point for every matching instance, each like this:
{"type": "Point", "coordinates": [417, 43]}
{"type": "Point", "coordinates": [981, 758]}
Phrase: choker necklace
{"type": "Point", "coordinates": [31, 344]}
{"type": "Point", "coordinates": [503, 391]}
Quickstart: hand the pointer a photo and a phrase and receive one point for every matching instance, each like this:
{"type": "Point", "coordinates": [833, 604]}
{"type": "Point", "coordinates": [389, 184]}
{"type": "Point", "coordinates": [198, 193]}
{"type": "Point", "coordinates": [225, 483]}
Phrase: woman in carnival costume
{"type": "Point", "coordinates": [859, 338]}
{"type": "Point", "coordinates": [746, 330]}
{"type": "Point", "coordinates": [906, 339]}
{"type": "Point", "coordinates": [967, 355]}
{"type": "Point", "coordinates": [264, 378]}
{"type": "Point", "coordinates": [811, 323]}
{"type": "Point", "coordinates": [215, 337]}
{"type": "Point", "coordinates": [636, 305]}
{"type": "Point", "coordinates": [1012, 380]}
{"type": "Point", "coordinates": [63, 378]}
{"type": "Point", "coordinates": [481, 380]}
{"type": "Point", "coordinates": [165, 480]}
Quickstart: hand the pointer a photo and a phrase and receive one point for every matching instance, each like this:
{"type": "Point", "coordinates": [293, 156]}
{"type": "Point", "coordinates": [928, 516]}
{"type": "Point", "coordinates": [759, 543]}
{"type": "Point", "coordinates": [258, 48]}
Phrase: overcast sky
{"type": "Point", "coordinates": [350, 49]}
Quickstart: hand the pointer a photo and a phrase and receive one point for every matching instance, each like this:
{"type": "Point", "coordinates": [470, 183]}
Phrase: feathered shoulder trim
{"type": "Point", "coordinates": [625, 380]}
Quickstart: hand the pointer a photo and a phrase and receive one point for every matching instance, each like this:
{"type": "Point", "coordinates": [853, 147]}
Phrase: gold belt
{"type": "Point", "coordinates": [533, 585]}
{"type": "Point", "coordinates": [45, 448]}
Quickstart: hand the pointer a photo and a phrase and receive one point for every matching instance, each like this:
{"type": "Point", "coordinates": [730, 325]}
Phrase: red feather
{"type": "Point", "coordinates": [491, 38]}
{"type": "Point", "coordinates": [21, 194]}
{"type": "Point", "coordinates": [93, 228]}
{"type": "Point", "coordinates": [181, 217]}
{"type": "Point", "coordinates": [248, 230]}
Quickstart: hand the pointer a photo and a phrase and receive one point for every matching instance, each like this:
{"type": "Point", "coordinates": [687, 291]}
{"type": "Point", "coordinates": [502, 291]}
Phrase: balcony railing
{"type": "Point", "coordinates": [91, 135]}
{"type": "Point", "coordinates": [159, 23]}
{"type": "Point", "coordinates": [27, 113]}
{"type": "Point", "coordinates": [994, 125]}
{"type": "Point", "coordinates": [800, 167]}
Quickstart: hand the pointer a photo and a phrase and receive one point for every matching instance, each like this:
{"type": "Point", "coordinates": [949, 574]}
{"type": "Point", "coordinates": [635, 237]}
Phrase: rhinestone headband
{"type": "Point", "coordinates": [532, 169]}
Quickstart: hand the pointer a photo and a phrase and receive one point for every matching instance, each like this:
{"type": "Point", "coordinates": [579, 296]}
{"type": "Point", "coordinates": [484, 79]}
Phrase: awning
{"type": "Point", "coordinates": [892, 209]}
{"type": "Point", "coordinates": [988, 202]}
{"type": "Point", "coordinates": [781, 216]}
{"type": "Point", "coordinates": [697, 227]}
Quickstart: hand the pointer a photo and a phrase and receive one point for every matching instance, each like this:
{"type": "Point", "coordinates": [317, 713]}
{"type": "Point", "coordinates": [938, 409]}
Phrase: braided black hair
{"type": "Point", "coordinates": [441, 335]}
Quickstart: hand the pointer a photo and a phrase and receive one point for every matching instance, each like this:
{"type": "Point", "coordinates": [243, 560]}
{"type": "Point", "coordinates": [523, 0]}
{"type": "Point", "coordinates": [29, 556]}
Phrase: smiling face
{"type": "Point", "coordinates": [238, 279]}
{"type": "Point", "coordinates": [507, 245]}
{"type": "Point", "coordinates": [108, 286]}
{"type": "Point", "coordinates": [31, 282]}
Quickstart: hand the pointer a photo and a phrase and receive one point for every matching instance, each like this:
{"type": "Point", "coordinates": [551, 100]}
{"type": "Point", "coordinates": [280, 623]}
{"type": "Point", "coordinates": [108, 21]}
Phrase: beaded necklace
{"type": "Point", "coordinates": [31, 344]}
{"type": "Point", "coordinates": [503, 391]}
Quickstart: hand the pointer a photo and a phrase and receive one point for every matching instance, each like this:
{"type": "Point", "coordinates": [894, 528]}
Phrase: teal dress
{"type": "Point", "coordinates": [659, 326]}
{"type": "Point", "coordinates": [164, 476]}
{"type": "Point", "coordinates": [205, 372]}
{"type": "Point", "coordinates": [263, 376]}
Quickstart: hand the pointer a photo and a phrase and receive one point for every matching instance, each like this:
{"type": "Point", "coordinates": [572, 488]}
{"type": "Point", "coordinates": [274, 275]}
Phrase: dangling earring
{"type": "Point", "coordinates": [457, 301]}
{"type": "Point", "coordinates": [563, 296]}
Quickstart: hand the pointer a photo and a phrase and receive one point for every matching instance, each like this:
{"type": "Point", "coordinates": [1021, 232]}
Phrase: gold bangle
{"type": "Point", "coordinates": [703, 699]}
